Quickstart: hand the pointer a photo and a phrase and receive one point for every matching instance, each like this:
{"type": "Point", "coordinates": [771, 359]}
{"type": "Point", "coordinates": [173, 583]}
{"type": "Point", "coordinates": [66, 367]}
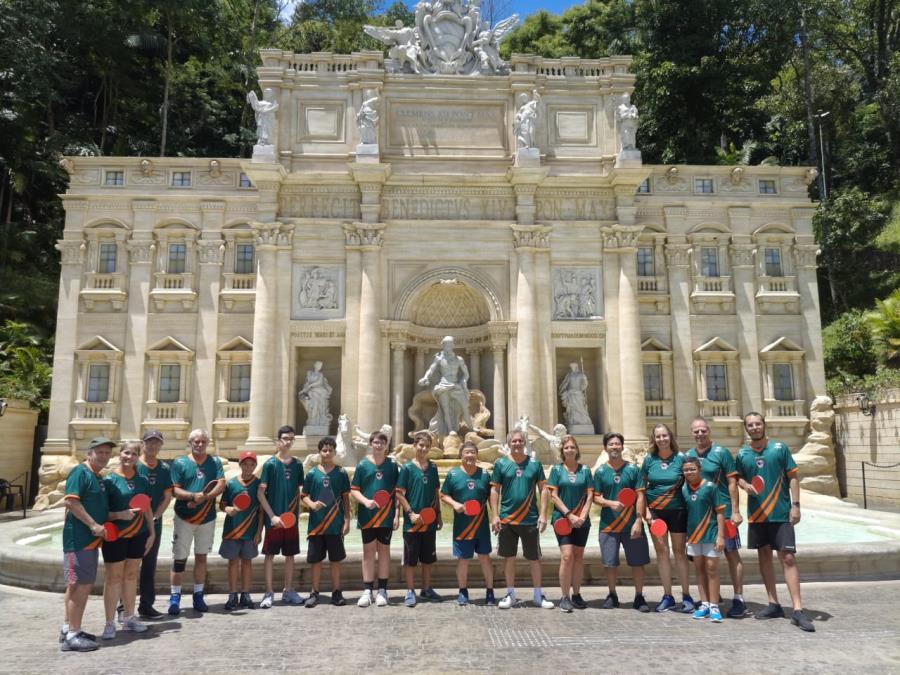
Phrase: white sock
{"type": "Point", "coordinates": [713, 607]}
{"type": "Point", "coordinates": [538, 593]}
{"type": "Point", "coordinates": [706, 605]}
{"type": "Point", "coordinates": [198, 588]}
{"type": "Point", "coordinates": [65, 628]}
{"type": "Point", "coordinates": [176, 590]}
{"type": "Point", "coordinates": [738, 596]}
{"type": "Point", "coordinates": [70, 634]}
{"type": "Point", "coordinates": [511, 592]}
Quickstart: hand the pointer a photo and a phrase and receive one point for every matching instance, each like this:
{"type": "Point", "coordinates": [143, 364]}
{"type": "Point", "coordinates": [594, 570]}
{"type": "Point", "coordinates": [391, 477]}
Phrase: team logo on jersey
{"type": "Point", "coordinates": [102, 486]}
{"type": "Point", "coordinates": [571, 477]}
{"type": "Point", "coordinates": [425, 480]}
{"type": "Point", "coordinates": [325, 482]}
{"type": "Point", "coordinates": [617, 479]}
{"type": "Point", "coordinates": [379, 475]}
{"type": "Point", "coordinates": [518, 473]}
{"type": "Point", "coordinates": [130, 485]}
{"type": "Point", "coordinates": [760, 463]}
{"type": "Point", "coordinates": [151, 479]}
{"type": "Point", "coordinates": [470, 484]}
{"type": "Point", "coordinates": [694, 497]}
{"type": "Point", "coordinates": [664, 466]}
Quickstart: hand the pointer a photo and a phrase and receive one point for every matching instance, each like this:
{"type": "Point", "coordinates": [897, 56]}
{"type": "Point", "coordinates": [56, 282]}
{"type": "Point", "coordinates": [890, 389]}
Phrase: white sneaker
{"type": "Point", "coordinates": [109, 630]}
{"type": "Point", "coordinates": [544, 603]}
{"type": "Point", "coordinates": [508, 601]}
{"type": "Point", "coordinates": [365, 599]}
{"type": "Point", "coordinates": [291, 597]}
{"type": "Point", "coordinates": [132, 625]}
{"type": "Point", "coordinates": [381, 600]}
{"type": "Point", "coordinates": [267, 600]}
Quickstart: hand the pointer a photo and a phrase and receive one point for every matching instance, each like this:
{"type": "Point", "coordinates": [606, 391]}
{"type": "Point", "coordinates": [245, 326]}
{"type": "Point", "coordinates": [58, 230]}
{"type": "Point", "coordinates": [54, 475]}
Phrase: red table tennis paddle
{"type": "Point", "coordinates": [140, 501]}
{"type": "Point", "coordinates": [242, 501]}
{"type": "Point", "coordinates": [288, 519]}
{"type": "Point", "coordinates": [658, 528]}
{"type": "Point", "coordinates": [562, 527]}
{"type": "Point", "coordinates": [759, 484]}
{"type": "Point", "coordinates": [472, 507]}
{"type": "Point", "coordinates": [428, 515]}
{"type": "Point", "coordinates": [730, 530]}
{"type": "Point", "coordinates": [382, 498]}
{"type": "Point", "coordinates": [627, 497]}
{"type": "Point", "coordinates": [112, 532]}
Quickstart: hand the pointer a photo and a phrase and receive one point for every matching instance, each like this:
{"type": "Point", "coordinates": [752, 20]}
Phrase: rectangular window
{"type": "Point", "coordinates": [106, 262]}
{"type": "Point", "coordinates": [177, 259]}
{"type": "Point", "coordinates": [644, 187]}
{"type": "Point", "coordinates": [653, 382]}
{"type": "Point", "coordinates": [98, 383]}
{"type": "Point", "coordinates": [244, 181]}
{"type": "Point", "coordinates": [169, 384]}
{"type": "Point", "coordinates": [181, 179]}
{"type": "Point", "coordinates": [783, 382]}
{"type": "Point", "coordinates": [716, 382]}
{"type": "Point", "coordinates": [709, 261]}
{"type": "Point", "coordinates": [239, 383]}
{"type": "Point", "coordinates": [704, 186]}
{"type": "Point", "coordinates": [243, 259]}
{"type": "Point", "coordinates": [645, 262]}
{"type": "Point", "coordinates": [114, 178]}
{"type": "Point", "coordinates": [767, 187]}
{"type": "Point", "coordinates": [773, 262]}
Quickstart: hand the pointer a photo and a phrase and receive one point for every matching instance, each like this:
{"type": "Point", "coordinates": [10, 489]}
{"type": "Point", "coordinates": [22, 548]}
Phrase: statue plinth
{"type": "Point", "coordinates": [627, 159]}
{"type": "Point", "coordinates": [263, 154]}
{"type": "Point", "coordinates": [367, 153]}
{"type": "Point", "coordinates": [528, 157]}
{"type": "Point", "coordinates": [582, 429]}
{"type": "Point", "coordinates": [315, 430]}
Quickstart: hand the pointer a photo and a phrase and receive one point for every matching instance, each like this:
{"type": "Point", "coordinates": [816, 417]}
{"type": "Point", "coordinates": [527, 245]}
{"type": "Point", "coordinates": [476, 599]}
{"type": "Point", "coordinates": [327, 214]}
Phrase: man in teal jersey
{"type": "Point", "coordinates": [376, 473]}
{"type": "Point", "coordinates": [87, 509]}
{"type": "Point", "coordinates": [197, 480]}
{"type": "Point", "coordinates": [471, 534]}
{"type": "Point", "coordinates": [418, 488]}
{"type": "Point", "coordinates": [513, 486]}
{"type": "Point", "coordinates": [772, 514]}
{"type": "Point", "coordinates": [240, 533]}
{"type": "Point", "coordinates": [717, 467]}
{"type": "Point", "coordinates": [326, 493]}
{"type": "Point", "coordinates": [619, 525]}
{"type": "Point", "coordinates": [158, 474]}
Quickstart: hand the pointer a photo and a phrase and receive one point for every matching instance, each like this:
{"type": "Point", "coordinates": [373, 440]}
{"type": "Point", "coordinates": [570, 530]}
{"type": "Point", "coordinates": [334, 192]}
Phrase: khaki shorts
{"type": "Point", "coordinates": [185, 534]}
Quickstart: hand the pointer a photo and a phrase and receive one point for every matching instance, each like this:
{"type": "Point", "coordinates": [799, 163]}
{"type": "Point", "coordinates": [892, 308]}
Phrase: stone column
{"type": "Point", "coordinates": [72, 264]}
{"type": "Point", "coordinates": [475, 369]}
{"type": "Point", "coordinates": [547, 358]}
{"type": "Point", "coordinates": [263, 369]}
{"type": "Point", "coordinates": [419, 369]}
{"type": "Point", "coordinates": [612, 398]}
{"type": "Point", "coordinates": [398, 386]}
{"type": "Point", "coordinates": [350, 355]}
{"type": "Point", "coordinates": [499, 411]}
{"type": "Point", "coordinates": [744, 278]}
{"type": "Point", "coordinates": [283, 389]}
{"type": "Point", "coordinates": [211, 254]}
{"type": "Point", "coordinates": [805, 252]}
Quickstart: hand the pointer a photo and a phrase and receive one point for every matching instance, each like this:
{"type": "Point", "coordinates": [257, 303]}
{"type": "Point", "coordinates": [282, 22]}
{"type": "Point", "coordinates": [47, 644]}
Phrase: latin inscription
{"type": "Point", "coordinates": [429, 128]}
{"type": "Point", "coordinates": [575, 208]}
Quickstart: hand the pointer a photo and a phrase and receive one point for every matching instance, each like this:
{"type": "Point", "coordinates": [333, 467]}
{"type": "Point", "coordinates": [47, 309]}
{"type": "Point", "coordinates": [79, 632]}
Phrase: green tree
{"type": "Point", "coordinates": [25, 368]}
{"type": "Point", "coordinates": [848, 346]}
{"type": "Point", "coordinates": [884, 322]}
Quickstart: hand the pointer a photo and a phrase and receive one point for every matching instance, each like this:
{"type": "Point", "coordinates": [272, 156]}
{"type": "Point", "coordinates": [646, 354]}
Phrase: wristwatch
{"type": "Point", "coordinates": [797, 504]}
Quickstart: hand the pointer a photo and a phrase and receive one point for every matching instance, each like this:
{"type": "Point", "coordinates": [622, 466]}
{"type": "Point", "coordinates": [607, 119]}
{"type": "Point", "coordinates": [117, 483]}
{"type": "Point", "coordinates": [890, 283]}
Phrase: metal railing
{"type": "Point", "coordinates": [874, 466]}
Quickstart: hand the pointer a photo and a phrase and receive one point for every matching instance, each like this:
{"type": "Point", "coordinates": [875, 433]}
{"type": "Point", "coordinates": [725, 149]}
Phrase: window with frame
{"type": "Point", "coordinates": [709, 261]}
{"type": "Point", "coordinates": [644, 187]}
{"type": "Point", "coordinates": [169, 384]}
{"type": "Point", "coordinates": [704, 185]}
{"type": "Point", "coordinates": [114, 178]}
{"type": "Point", "coordinates": [244, 181]}
{"type": "Point", "coordinates": [107, 256]}
{"type": "Point", "coordinates": [239, 383]}
{"type": "Point", "coordinates": [773, 262]}
{"type": "Point", "coordinates": [177, 259]}
{"type": "Point", "coordinates": [767, 187]}
{"type": "Point", "coordinates": [653, 390]}
{"type": "Point", "coordinates": [716, 382]}
{"type": "Point", "coordinates": [646, 266]}
{"type": "Point", "coordinates": [243, 258]}
{"type": "Point", "coordinates": [181, 179]}
{"type": "Point", "coordinates": [783, 382]}
{"type": "Point", "coordinates": [98, 383]}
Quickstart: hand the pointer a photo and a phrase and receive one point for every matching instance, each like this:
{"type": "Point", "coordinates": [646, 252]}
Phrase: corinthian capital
{"type": "Point", "coordinates": [364, 236]}
{"type": "Point", "coordinates": [71, 252]}
{"type": "Point", "coordinates": [621, 238]}
{"type": "Point", "coordinates": [531, 237]}
{"type": "Point", "coordinates": [266, 233]}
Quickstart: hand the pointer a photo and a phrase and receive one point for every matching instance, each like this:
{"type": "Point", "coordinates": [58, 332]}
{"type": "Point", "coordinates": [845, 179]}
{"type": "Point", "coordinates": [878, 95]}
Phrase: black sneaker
{"type": "Point", "coordinates": [799, 619]}
{"type": "Point", "coordinates": [337, 598]}
{"type": "Point", "coordinates": [232, 603]}
{"type": "Point", "coordinates": [611, 602]}
{"type": "Point", "coordinates": [246, 601]}
{"type": "Point", "coordinates": [640, 604]}
{"type": "Point", "coordinates": [737, 609]}
{"type": "Point", "coordinates": [149, 613]}
{"type": "Point", "coordinates": [578, 602]}
{"type": "Point", "coordinates": [78, 643]}
{"type": "Point", "coordinates": [772, 611]}
{"type": "Point", "coordinates": [312, 600]}
{"type": "Point", "coordinates": [565, 605]}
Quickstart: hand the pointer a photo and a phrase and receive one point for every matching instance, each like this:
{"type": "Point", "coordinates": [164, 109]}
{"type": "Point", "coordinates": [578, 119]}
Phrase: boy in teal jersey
{"type": "Point", "coordinates": [471, 534]}
{"type": "Point", "coordinates": [375, 473]}
{"type": "Point", "coordinates": [772, 514]}
{"type": "Point", "coordinates": [326, 493]}
{"type": "Point", "coordinates": [717, 466]}
{"type": "Point", "coordinates": [706, 535]}
{"type": "Point", "coordinates": [159, 475]}
{"type": "Point", "coordinates": [240, 534]}
{"type": "Point", "coordinates": [279, 493]}
{"type": "Point", "coordinates": [418, 488]}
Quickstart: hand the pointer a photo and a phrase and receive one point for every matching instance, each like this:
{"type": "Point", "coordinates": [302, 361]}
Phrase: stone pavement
{"type": "Point", "coordinates": [858, 630]}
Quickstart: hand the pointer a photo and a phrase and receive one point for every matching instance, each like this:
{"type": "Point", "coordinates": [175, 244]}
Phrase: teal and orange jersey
{"type": "Point", "coordinates": [120, 490]}
{"type": "Point", "coordinates": [717, 466]}
{"type": "Point", "coordinates": [193, 477]}
{"type": "Point", "coordinates": [663, 479]}
{"type": "Point", "coordinates": [775, 464]}
{"type": "Point", "coordinates": [160, 479]}
{"type": "Point", "coordinates": [703, 503]}
{"type": "Point", "coordinates": [518, 483]}
{"type": "Point", "coordinates": [329, 488]}
{"type": "Point", "coordinates": [89, 489]}
{"type": "Point", "coordinates": [243, 525]}
{"type": "Point", "coordinates": [608, 482]}
{"type": "Point", "coordinates": [281, 482]}
{"type": "Point", "coordinates": [575, 489]}
{"type": "Point", "coordinates": [370, 478]}
{"type": "Point", "coordinates": [420, 488]}
{"type": "Point", "coordinates": [463, 487]}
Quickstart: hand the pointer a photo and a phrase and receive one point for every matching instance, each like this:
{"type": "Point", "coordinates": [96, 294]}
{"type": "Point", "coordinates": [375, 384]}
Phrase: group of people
{"type": "Point", "coordinates": [693, 493]}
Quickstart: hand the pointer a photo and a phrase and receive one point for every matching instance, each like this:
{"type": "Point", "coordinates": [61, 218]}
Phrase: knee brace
{"type": "Point", "coordinates": [179, 565]}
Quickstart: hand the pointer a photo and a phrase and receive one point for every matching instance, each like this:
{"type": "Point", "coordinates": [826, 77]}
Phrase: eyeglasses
{"type": "Point", "coordinates": [286, 439]}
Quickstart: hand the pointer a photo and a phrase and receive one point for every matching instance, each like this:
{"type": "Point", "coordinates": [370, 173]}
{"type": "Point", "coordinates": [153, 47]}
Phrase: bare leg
{"type": "Point", "coordinates": [663, 563]}
{"type": "Point", "coordinates": [712, 580]}
{"type": "Point", "coordinates": [487, 569]}
{"type": "Point", "coordinates": [384, 560]}
{"type": "Point", "coordinates": [426, 576]}
{"type": "Point", "coordinates": [268, 564]}
{"type": "Point", "coordinates": [316, 576]}
{"type": "Point", "coordinates": [681, 562]}
{"type": "Point", "coordinates": [791, 577]}
{"type": "Point", "coordinates": [462, 572]}
{"type": "Point", "coordinates": [767, 570]}
{"type": "Point", "coordinates": [246, 575]}
{"type": "Point", "coordinates": [566, 559]}
{"type": "Point", "coordinates": [76, 600]}
{"type": "Point", "coordinates": [509, 569]}
{"type": "Point", "coordinates": [410, 574]}
{"type": "Point", "coordinates": [335, 576]}
{"type": "Point", "coordinates": [129, 584]}
{"type": "Point", "coordinates": [112, 588]}
{"type": "Point", "coordinates": [199, 568]}
{"type": "Point", "coordinates": [612, 574]}
{"type": "Point", "coordinates": [736, 569]}
{"type": "Point", "coordinates": [288, 571]}
{"type": "Point", "coordinates": [535, 566]}
{"type": "Point", "coordinates": [368, 562]}
{"type": "Point", "coordinates": [577, 569]}
{"type": "Point", "coordinates": [234, 570]}
{"type": "Point", "coordinates": [638, 574]}
{"type": "Point", "coordinates": [702, 581]}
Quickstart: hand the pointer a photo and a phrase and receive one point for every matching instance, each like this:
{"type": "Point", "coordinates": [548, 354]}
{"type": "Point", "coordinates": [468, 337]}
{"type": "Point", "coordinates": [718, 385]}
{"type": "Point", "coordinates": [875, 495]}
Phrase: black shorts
{"type": "Point", "coordinates": [508, 541]}
{"type": "Point", "coordinates": [419, 547]}
{"type": "Point", "coordinates": [381, 534]}
{"type": "Point", "coordinates": [121, 549]}
{"type": "Point", "coordinates": [675, 519]}
{"type": "Point", "coordinates": [578, 537]}
{"type": "Point", "coordinates": [317, 546]}
{"type": "Point", "coordinates": [780, 536]}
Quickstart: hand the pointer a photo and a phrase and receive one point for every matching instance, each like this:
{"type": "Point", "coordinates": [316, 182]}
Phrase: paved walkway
{"type": "Point", "coordinates": [858, 630]}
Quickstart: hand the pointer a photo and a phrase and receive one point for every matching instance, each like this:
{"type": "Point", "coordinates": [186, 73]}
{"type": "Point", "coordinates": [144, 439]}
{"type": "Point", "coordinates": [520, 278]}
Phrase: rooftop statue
{"type": "Point", "coordinates": [449, 38]}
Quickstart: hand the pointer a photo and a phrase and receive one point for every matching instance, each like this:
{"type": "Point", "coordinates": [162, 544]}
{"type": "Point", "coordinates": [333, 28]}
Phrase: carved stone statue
{"type": "Point", "coordinates": [546, 447]}
{"type": "Point", "coordinates": [265, 115]}
{"type": "Point", "coordinates": [314, 396]}
{"type": "Point", "coordinates": [487, 46]}
{"type": "Point", "coordinates": [449, 378]}
{"type": "Point", "coordinates": [367, 119]}
{"type": "Point", "coordinates": [574, 294]}
{"type": "Point", "coordinates": [361, 437]}
{"type": "Point", "coordinates": [627, 116]}
{"type": "Point", "coordinates": [403, 43]}
{"type": "Point", "coordinates": [573, 395]}
{"type": "Point", "coordinates": [525, 122]}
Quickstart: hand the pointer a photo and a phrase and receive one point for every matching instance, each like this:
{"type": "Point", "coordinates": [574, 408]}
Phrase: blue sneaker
{"type": "Point", "coordinates": [410, 599]}
{"type": "Point", "coordinates": [462, 599]}
{"type": "Point", "coordinates": [715, 615]}
{"type": "Point", "coordinates": [737, 609]}
{"type": "Point", "coordinates": [687, 604]}
{"type": "Point", "coordinates": [199, 603]}
{"type": "Point", "coordinates": [667, 603]}
{"type": "Point", "coordinates": [489, 599]}
{"type": "Point", "coordinates": [430, 594]}
{"type": "Point", "coordinates": [175, 604]}
{"type": "Point", "coordinates": [702, 613]}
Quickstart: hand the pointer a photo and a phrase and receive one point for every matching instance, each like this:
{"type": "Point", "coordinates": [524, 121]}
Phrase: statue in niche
{"type": "Point", "coordinates": [487, 46]}
{"type": "Point", "coordinates": [525, 122]}
{"type": "Point", "coordinates": [627, 115]}
{"type": "Point", "coordinates": [449, 378]}
{"type": "Point", "coordinates": [318, 291]}
{"type": "Point", "coordinates": [314, 396]}
{"type": "Point", "coordinates": [265, 115]}
{"type": "Point", "coordinates": [573, 395]}
{"type": "Point", "coordinates": [403, 43]}
{"type": "Point", "coordinates": [367, 119]}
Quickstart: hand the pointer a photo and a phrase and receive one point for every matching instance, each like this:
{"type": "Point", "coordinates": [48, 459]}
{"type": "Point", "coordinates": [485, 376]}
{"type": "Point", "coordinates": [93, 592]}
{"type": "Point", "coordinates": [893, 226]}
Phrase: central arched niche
{"type": "Point", "coordinates": [449, 303]}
